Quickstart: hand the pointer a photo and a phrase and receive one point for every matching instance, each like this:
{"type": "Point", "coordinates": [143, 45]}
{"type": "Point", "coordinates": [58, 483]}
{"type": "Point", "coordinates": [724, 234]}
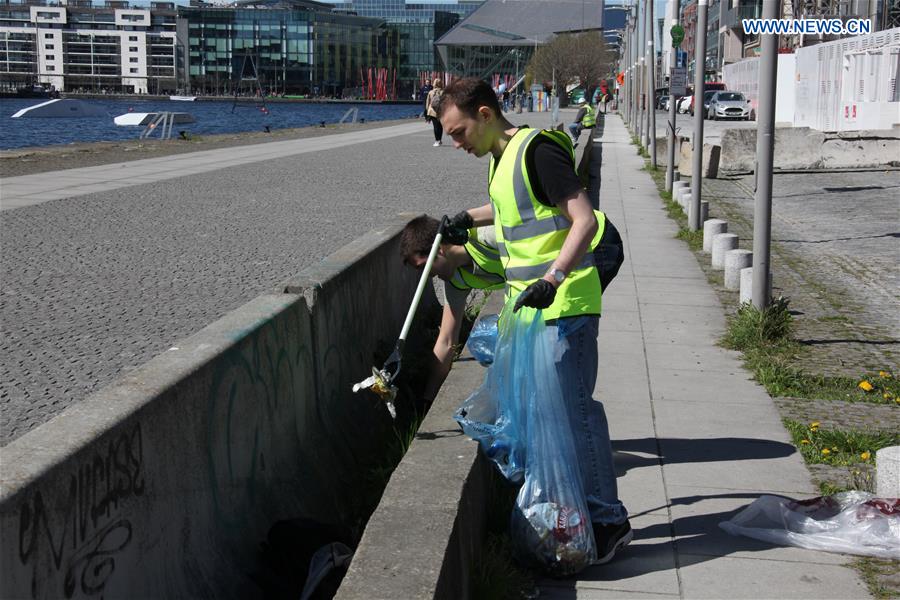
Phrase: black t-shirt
{"type": "Point", "coordinates": [552, 172]}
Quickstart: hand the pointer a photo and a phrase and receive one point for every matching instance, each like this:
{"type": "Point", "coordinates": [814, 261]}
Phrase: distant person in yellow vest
{"type": "Point", "coordinates": [463, 268]}
{"type": "Point", "coordinates": [549, 240]}
{"type": "Point", "coordinates": [585, 118]}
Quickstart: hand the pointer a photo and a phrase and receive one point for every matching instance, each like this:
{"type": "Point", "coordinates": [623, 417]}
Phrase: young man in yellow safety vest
{"type": "Point", "coordinates": [586, 118]}
{"type": "Point", "coordinates": [474, 265]}
{"type": "Point", "coordinates": [549, 242]}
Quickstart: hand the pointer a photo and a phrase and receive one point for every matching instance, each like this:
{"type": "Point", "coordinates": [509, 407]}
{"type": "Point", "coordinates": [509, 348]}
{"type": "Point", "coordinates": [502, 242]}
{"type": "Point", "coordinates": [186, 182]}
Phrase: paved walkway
{"type": "Point", "coordinates": [695, 438]}
{"type": "Point", "coordinates": [28, 190]}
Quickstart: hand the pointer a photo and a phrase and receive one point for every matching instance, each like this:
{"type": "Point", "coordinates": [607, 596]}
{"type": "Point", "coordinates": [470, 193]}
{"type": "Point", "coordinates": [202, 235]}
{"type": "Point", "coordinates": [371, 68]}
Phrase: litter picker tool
{"type": "Point", "coordinates": [381, 381]}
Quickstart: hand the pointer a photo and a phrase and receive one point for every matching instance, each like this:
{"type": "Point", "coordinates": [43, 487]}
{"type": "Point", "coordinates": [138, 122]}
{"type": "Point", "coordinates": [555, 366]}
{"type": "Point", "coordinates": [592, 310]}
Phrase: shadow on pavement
{"type": "Point", "coordinates": [681, 450]}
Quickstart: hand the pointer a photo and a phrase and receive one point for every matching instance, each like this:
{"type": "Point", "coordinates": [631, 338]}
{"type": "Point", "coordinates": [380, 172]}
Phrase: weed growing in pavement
{"type": "Point", "coordinates": [752, 328]}
{"type": "Point", "coordinates": [875, 572]}
{"type": "Point", "coordinates": [838, 447]}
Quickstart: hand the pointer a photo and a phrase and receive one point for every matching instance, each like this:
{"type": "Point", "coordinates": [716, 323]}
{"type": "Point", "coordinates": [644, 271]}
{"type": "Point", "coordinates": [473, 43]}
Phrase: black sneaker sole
{"type": "Point", "coordinates": [624, 541]}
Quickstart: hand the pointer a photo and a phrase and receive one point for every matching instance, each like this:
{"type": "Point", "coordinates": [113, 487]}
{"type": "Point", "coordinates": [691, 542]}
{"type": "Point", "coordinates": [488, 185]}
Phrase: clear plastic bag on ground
{"type": "Point", "coordinates": [483, 339]}
{"type": "Point", "coordinates": [519, 417]}
{"type": "Point", "coordinates": [848, 522]}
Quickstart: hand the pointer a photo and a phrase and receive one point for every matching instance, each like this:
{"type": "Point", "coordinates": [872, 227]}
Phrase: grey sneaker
{"type": "Point", "coordinates": [610, 538]}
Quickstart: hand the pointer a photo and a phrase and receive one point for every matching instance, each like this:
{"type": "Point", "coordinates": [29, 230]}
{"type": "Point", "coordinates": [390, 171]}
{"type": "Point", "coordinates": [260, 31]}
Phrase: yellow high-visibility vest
{"type": "Point", "coordinates": [530, 235]}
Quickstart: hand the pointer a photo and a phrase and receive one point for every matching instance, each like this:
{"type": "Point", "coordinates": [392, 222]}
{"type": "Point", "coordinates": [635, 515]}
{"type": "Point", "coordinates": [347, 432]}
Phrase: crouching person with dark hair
{"type": "Point", "coordinates": [474, 265]}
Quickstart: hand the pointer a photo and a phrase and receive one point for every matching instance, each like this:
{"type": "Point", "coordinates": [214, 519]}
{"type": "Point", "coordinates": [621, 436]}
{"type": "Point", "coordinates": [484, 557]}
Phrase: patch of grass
{"type": "Point", "coordinates": [769, 351]}
{"type": "Point", "coordinates": [880, 576]}
{"type": "Point", "coordinates": [751, 328]}
{"type": "Point", "coordinates": [838, 447]}
{"type": "Point", "coordinates": [694, 239]}
{"type": "Point", "coordinates": [827, 488]}
{"type": "Point", "coordinates": [496, 576]}
{"type": "Point", "coordinates": [835, 319]}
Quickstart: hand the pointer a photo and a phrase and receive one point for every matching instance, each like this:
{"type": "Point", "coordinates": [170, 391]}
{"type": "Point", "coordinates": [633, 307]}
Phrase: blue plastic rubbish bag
{"type": "Point", "coordinates": [483, 339]}
{"type": "Point", "coordinates": [519, 417]}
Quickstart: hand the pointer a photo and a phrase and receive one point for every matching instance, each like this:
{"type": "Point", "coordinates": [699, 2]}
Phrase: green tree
{"type": "Point", "coordinates": [573, 58]}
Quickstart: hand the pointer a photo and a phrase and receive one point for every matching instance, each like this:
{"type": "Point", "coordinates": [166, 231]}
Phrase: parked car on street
{"type": "Point", "coordinates": [684, 104]}
{"type": "Point", "coordinates": [728, 105]}
{"type": "Point", "coordinates": [661, 102]}
{"type": "Point", "coordinates": [707, 96]}
{"type": "Point", "coordinates": [709, 86]}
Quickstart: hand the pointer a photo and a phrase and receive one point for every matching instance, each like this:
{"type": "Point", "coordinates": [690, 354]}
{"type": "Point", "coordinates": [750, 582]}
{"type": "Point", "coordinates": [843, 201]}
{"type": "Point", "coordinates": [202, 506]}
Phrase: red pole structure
{"type": "Point", "coordinates": [394, 86]}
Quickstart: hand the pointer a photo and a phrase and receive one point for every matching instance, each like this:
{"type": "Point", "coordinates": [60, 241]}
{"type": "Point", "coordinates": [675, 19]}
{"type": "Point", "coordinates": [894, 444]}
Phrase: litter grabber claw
{"type": "Point", "coordinates": [381, 381]}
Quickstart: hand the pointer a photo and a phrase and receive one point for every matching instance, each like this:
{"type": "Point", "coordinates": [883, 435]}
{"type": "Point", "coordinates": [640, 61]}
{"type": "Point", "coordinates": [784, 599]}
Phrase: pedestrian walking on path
{"type": "Point", "coordinates": [549, 237]}
{"type": "Point", "coordinates": [431, 102]}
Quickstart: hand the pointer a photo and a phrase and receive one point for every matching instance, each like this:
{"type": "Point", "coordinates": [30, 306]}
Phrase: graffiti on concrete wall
{"type": "Point", "coordinates": [83, 529]}
{"type": "Point", "coordinates": [256, 413]}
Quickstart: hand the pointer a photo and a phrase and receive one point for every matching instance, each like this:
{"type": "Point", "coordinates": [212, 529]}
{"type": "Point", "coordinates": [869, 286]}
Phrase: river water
{"type": "Point", "coordinates": [212, 117]}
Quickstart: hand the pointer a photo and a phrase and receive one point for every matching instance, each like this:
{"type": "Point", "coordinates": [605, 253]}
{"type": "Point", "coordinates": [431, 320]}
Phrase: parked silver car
{"type": "Point", "coordinates": [729, 105]}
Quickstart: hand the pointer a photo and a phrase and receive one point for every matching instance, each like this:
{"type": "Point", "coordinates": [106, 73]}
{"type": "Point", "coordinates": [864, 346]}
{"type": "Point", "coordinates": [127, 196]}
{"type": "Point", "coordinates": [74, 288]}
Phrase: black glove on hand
{"type": "Point", "coordinates": [456, 231]}
{"type": "Point", "coordinates": [539, 294]}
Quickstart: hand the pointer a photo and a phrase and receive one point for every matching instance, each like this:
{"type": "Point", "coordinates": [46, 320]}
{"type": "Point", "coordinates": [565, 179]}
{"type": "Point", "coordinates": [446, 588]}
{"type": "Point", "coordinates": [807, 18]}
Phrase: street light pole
{"type": "Point", "coordinates": [765, 149]}
{"type": "Point", "coordinates": [651, 86]}
{"type": "Point", "coordinates": [673, 114]}
{"type": "Point", "coordinates": [697, 142]}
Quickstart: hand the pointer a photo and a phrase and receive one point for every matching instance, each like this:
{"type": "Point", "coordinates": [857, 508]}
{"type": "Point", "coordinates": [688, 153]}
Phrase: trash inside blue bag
{"type": "Point", "coordinates": [519, 418]}
{"type": "Point", "coordinates": [483, 339]}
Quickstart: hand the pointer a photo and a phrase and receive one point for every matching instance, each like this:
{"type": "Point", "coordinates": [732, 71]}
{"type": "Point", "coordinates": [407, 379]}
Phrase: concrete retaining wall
{"type": "Point", "coordinates": [801, 148]}
{"type": "Point", "coordinates": [164, 483]}
{"type": "Point", "coordinates": [428, 530]}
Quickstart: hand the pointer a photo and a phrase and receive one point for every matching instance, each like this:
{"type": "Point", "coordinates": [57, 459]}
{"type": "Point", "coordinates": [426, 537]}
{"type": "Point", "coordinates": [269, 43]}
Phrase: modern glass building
{"type": "Point", "coordinates": [284, 46]}
{"type": "Point", "coordinates": [419, 24]}
{"type": "Point", "coordinates": [499, 38]}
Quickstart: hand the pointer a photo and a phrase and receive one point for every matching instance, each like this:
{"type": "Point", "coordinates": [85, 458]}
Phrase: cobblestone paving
{"type": "Point", "coordinates": [840, 415]}
{"type": "Point", "coordinates": [97, 285]}
{"type": "Point", "coordinates": [836, 245]}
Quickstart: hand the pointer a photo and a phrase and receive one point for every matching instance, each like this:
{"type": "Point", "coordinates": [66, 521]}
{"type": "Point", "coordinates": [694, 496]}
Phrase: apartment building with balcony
{"type": "Point", "coordinates": [75, 45]}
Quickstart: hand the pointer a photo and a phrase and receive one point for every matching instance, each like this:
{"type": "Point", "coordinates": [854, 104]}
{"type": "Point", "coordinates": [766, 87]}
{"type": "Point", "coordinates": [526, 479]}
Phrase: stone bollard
{"type": "Point", "coordinates": [676, 176]}
{"type": "Point", "coordinates": [747, 285]}
{"type": "Point", "coordinates": [735, 262]}
{"type": "Point", "coordinates": [685, 201]}
{"type": "Point", "coordinates": [711, 228]}
{"type": "Point", "coordinates": [722, 243]}
{"type": "Point", "coordinates": [887, 472]}
{"type": "Point", "coordinates": [677, 188]}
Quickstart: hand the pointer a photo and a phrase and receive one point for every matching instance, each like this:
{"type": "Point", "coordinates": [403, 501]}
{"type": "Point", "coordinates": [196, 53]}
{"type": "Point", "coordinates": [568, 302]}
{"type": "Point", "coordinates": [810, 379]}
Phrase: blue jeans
{"type": "Point", "coordinates": [575, 130]}
{"type": "Point", "coordinates": [577, 370]}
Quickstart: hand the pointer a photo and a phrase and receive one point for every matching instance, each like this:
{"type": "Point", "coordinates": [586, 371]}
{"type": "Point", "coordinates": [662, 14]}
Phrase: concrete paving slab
{"type": "Point", "coordinates": [727, 577]}
{"type": "Point", "coordinates": [698, 386]}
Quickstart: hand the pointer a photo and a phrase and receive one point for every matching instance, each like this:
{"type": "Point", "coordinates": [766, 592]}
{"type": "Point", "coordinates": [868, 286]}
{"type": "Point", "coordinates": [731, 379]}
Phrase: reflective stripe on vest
{"type": "Point", "coordinates": [530, 235]}
{"type": "Point", "coordinates": [486, 272]}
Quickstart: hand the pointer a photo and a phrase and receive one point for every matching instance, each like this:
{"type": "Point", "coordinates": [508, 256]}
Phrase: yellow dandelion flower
{"type": "Point", "coordinates": [825, 451]}
{"type": "Point", "coordinates": [804, 441]}
{"type": "Point", "coordinates": [814, 425]}
{"type": "Point", "coordinates": [887, 395]}
{"type": "Point", "coordinates": [835, 448]}
{"type": "Point", "coordinates": [884, 374]}
{"type": "Point", "coordinates": [865, 455]}
{"type": "Point", "coordinates": [866, 386]}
